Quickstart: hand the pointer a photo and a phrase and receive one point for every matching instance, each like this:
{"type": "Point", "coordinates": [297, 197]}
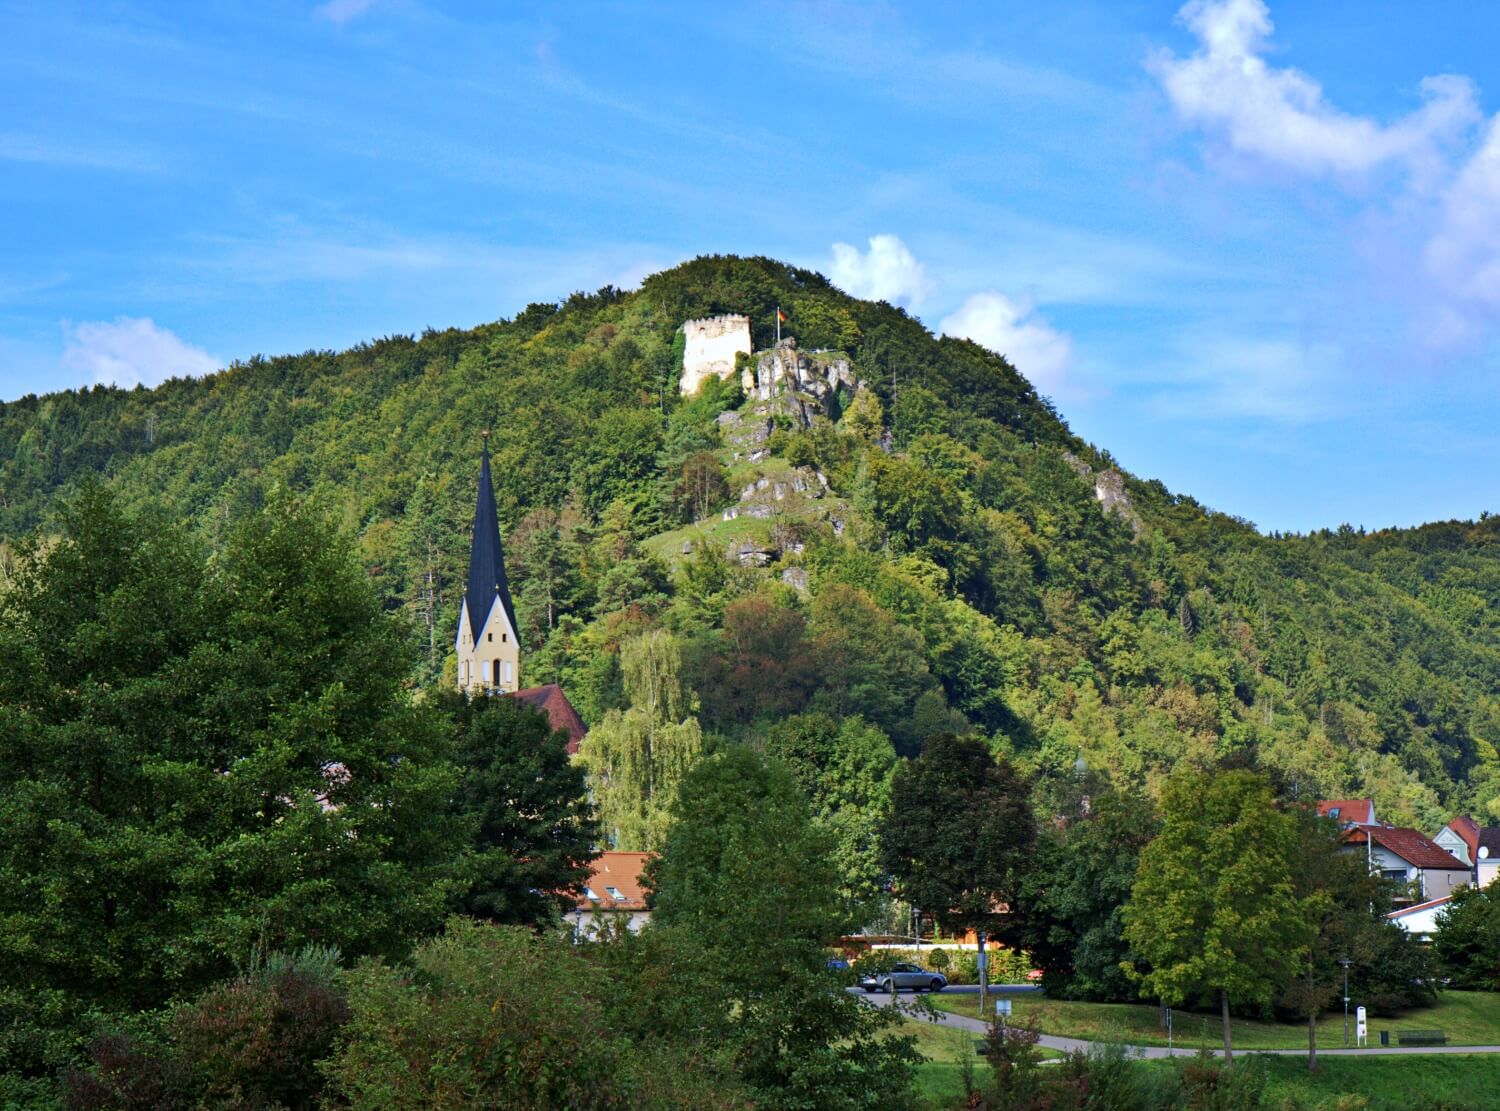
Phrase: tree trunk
{"type": "Point", "coordinates": [1228, 1045]}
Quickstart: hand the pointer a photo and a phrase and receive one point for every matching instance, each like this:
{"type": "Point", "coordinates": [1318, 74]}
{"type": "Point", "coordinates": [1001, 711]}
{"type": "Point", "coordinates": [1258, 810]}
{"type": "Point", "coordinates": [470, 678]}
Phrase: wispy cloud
{"type": "Point", "coordinates": [340, 12]}
{"type": "Point", "coordinates": [41, 150]}
{"type": "Point", "coordinates": [131, 351]}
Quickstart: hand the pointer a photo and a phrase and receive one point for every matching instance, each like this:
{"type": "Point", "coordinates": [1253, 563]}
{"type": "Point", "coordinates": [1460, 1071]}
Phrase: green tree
{"type": "Point", "coordinates": [746, 872]}
{"type": "Point", "coordinates": [636, 757]}
{"type": "Point", "coordinates": [845, 768]}
{"type": "Point", "coordinates": [1214, 911]}
{"type": "Point", "coordinates": [1467, 941]}
{"type": "Point", "coordinates": [199, 756]}
{"type": "Point", "coordinates": [961, 838]}
{"type": "Point", "coordinates": [534, 830]}
{"type": "Point", "coordinates": [1072, 901]}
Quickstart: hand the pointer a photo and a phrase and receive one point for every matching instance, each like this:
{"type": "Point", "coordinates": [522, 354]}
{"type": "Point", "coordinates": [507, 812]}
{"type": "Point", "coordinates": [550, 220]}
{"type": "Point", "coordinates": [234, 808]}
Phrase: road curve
{"type": "Point", "coordinates": [1152, 1052]}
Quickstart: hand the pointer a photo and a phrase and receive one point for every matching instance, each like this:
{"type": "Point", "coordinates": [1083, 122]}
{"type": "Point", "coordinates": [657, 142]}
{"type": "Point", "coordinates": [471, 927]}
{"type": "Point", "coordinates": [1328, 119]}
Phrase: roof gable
{"type": "Point", "coordinates": [1360, 811]}
{"type": "Point", "coordinates": [1410, 845]}
{"type": "Point", "coordinates": [551, 700]}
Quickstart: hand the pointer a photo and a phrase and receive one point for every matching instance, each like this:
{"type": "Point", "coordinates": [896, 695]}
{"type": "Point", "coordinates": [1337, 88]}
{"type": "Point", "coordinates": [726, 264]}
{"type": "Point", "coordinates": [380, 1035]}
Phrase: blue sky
{"type": "Point", "coordinates": [1254, 251]}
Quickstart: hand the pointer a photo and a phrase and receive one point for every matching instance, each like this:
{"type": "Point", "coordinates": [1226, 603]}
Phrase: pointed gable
{"type": "Point", "coordinates": [486, 558]}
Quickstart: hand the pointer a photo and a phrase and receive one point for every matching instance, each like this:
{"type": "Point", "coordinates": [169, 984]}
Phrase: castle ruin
{"type": "Point", "coordinates": [712, 344]}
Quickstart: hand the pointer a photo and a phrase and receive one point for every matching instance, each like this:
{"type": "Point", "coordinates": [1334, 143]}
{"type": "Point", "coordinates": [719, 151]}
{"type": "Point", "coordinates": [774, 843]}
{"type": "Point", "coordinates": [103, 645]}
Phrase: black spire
{"type": "Point", "coordinates": [486, 557]}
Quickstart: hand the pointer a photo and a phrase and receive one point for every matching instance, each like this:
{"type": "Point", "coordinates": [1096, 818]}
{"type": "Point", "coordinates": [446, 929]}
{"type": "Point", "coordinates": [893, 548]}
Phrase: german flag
{"type": "Point", "coordinates": [780, 316]}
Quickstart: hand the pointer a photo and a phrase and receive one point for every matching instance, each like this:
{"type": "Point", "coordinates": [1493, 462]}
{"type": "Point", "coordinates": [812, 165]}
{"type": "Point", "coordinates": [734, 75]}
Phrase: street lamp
{"type": "Point", "coordinates": [1346, 962]}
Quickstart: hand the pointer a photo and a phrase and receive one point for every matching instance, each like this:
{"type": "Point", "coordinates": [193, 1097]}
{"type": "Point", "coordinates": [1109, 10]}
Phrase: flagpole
{"type": "Point", "coordinates": [778, 325]}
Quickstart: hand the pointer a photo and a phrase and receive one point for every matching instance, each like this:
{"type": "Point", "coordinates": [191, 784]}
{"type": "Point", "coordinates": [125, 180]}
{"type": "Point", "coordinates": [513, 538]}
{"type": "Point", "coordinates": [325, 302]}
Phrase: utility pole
{"type": "Point", "coordinates": [1346, 962]}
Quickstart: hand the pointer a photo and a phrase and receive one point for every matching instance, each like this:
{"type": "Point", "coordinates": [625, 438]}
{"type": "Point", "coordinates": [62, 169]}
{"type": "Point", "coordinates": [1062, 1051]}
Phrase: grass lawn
{"type": "Point", "coordinates": [1468, 1017]}
{"type": "Point", "coordinates": [1389, 1083]}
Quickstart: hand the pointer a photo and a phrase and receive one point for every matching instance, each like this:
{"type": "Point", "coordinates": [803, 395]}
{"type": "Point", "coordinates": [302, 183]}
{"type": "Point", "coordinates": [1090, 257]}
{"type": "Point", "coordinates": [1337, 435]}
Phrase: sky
{"type": "Point", "coordinates": [1251, 249]}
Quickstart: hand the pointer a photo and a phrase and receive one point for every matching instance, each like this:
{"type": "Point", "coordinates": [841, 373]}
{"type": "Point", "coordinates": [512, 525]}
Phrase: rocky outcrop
{"type": "Point", "coordinates": [783, 369]}
{"type": "Point", "coordinates": [1109, 491]}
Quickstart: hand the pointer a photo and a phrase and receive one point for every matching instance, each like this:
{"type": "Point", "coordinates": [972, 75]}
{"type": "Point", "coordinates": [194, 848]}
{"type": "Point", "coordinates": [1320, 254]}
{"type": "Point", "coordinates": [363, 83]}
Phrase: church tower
{"type": "Point", "coordinates": [489, 657]}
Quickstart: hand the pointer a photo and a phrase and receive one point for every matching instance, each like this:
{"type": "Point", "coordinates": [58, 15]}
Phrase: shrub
{"type": "Point", "coordinates": [938, 959]}
{"type": "Point", "coordinates": [125, 1075]}
{"type": "Point", "coordinates": [262, 1037]}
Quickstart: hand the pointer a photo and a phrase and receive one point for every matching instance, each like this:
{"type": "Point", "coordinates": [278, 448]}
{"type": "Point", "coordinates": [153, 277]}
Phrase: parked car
{"type": "Point", "coordinates": [838, 964]}
{"type": "Point", "coordinates": [904, 976]}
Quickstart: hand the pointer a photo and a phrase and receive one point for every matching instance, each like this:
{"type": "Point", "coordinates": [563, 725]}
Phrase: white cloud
{"type": "Point", "coordinates": [886, 272]}
{"type": "Point", "coordinates": [340, 12]}
{"type": "Point", "coordinates": [1014, 330]}
{"type": "Point", "coordinates": [132, 350]}
{"type": "Point", "coordinates": [1281, 115]}
{"type": "Point", "coordinates": [1464, 253]}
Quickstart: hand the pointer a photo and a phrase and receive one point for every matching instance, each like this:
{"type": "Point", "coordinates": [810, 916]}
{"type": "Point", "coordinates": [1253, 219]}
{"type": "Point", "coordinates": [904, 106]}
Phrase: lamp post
{"type": "Point", "coordinates": [1346, 962]}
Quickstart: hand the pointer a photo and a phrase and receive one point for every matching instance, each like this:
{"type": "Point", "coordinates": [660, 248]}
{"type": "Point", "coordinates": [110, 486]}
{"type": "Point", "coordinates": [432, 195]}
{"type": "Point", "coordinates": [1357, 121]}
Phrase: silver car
{"type": "Point", "coordinates": [904, 976]}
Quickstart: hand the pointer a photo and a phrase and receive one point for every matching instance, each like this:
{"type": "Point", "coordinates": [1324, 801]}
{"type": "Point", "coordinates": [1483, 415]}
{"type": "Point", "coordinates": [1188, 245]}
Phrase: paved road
{"type": "Point", "coordinates": [1069, 1045]}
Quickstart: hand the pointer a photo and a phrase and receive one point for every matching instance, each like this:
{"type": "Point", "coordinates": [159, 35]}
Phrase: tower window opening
{"type": "Point", "coordinates": [489, 636]}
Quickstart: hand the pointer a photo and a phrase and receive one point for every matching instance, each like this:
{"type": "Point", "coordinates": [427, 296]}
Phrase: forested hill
{"type": "Point", "coordinates": [957, 570]}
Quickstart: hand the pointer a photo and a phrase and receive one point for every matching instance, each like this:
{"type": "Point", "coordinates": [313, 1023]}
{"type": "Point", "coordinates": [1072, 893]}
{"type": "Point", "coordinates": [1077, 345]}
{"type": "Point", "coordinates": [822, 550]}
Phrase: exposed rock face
{"type": "Point", "coordinates": [758, 499]}
{"type": "Point", "coordinates": [784, 369]}
{"type": "Point", "coordinates": [1109, 490]}
{"type": "Point", "coordinates": [712, 344]}
{"type": "Point", "coordinates": [796, 578]}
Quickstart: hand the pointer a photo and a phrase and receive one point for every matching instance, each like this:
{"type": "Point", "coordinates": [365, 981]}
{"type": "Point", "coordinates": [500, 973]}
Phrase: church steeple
{"type": "Point", "coordinates": [486, 643]}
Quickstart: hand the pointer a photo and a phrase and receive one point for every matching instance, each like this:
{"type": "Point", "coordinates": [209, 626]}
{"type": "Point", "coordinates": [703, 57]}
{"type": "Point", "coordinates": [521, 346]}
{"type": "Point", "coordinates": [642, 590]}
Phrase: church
{"type": "Point", "coordinates": [488, 645]}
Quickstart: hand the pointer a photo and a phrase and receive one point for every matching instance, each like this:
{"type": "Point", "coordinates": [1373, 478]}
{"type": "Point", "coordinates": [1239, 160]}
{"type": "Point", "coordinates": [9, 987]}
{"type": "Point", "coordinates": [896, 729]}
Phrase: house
{"type": "Point", "coordinates": [1487, 856]}
{"type": "Point", "coordinates": [613, 896]}
{"type": "Point", "coordinates": [1461, 838]}
{"type": "Point", "coordinates": [1409, 857]}
{"type": "Point", "coordinates": [1348, 812]}
{"type": "Point", "coordinates": [1420, 919]}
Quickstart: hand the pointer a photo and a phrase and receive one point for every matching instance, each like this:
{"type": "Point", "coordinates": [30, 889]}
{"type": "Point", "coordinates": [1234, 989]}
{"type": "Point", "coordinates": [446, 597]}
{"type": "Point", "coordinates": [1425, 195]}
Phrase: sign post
{"type": "Point", "coordinates": [1361, 1031]}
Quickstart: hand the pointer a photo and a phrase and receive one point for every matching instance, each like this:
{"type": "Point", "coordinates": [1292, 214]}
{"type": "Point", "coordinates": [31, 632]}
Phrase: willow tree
{"type": "Point", "coordinates": [637, 756]}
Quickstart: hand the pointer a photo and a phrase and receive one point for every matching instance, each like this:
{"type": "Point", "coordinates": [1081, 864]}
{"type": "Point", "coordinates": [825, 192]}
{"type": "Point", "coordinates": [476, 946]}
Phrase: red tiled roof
{"type": "Point", "coordinates": [1349, 810]}
{"type": "Point", "coordinates": [620, 871]}
{"type": "Point", "coordinates": [1410, 845]}
{"type": "Point", "coordinates": [551, 700]}
{"type": "Point", "coordinates": [1468, 831]}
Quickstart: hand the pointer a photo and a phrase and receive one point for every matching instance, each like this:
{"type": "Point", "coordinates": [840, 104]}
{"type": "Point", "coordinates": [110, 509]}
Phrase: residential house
{"type": "Point", "coordinates": [1420, 919]}
{"type": "Point", "coordinates": [1348, 812]}
{"type": "Point", "coordinates": [1409, 857]}
{"type": "Point", "coordinates": [1487, 856]}
{"type": "Point", "coordinates": [1461, 838]}
{"type": "Point", "coordinates": [613, 896]}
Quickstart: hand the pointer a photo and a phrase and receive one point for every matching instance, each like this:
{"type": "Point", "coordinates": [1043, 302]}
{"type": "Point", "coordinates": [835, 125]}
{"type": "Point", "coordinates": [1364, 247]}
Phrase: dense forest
{"type": "Point", "coordinates": [960, 571]}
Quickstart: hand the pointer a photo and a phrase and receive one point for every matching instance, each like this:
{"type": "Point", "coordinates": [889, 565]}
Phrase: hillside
{"type": "Point", "coordinates": [939, 554]}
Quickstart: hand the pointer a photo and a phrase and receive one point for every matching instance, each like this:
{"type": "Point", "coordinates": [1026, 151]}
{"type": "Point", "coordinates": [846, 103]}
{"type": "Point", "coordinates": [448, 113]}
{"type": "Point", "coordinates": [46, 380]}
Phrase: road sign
{"type": "Point", "coordinates": [1002, 1006]}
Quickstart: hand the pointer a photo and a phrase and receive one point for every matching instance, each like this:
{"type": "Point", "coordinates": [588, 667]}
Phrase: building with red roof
{"type": "Point", "coordinates": [1461, 838]}
{"type": "Point", "coordinates": [614, 896]}
{"type": "Point", "coordinates": [551, 700]}
{"type": "Point", "coordinates": [1348, 812]}
{"type": "Point", "coordinates": [1409, 857]}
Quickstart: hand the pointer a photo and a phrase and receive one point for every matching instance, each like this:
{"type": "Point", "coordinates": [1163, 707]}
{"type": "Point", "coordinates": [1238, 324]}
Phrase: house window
{"type": "Point", "coordinates": [589, 891]}
{"type": "Point", "coordinates": [489, 637]}
{"type": "Point", "coordinates": [615, 894]}
{"type": "Point", "coordinates": [507, 671]}
{"type": "Point", "coordinates": [1396, 874]}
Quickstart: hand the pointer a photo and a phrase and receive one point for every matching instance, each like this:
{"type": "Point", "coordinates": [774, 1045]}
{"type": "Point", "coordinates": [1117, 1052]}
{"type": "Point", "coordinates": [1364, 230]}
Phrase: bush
{"type": "Point", "coordinates": [938, 959]}
{"type": "Point", "coordinates": [125, 1075]}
